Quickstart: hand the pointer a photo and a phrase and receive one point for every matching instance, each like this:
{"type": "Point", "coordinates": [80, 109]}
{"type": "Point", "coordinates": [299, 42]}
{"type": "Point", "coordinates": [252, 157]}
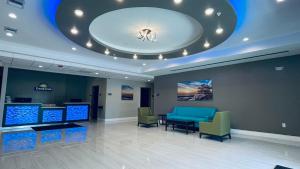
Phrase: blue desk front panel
{"type": "Point", "coordinates": [77, 112]}
{"type": "Point", "coordinates": [52, 115]}
{"type": "Point", "coordinates": [15, 142]}
{"type": "Point", "coordinates": [16, 115]}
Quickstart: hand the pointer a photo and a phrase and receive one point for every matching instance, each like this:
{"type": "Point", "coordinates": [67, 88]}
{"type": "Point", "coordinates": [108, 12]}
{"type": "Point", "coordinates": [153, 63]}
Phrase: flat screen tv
{"type": "Point", "coordinates": [77, 112]}
{"type": "Point", "coordinates": [20, 114]}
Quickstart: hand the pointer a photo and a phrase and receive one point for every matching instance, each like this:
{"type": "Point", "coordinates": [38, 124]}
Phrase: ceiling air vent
{"type": "Point", "coordinates": [16, 3]}
{"type": "Point", "coordinates": [229, 61]}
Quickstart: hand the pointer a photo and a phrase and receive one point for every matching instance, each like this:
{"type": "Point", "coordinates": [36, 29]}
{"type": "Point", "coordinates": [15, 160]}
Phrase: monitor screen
{"type": "Point", "coordinates": [52, 115]}
{"type": "Point", "coordinates": [16, 114]}
{"type": "Point", "coordinates": [77, 112]}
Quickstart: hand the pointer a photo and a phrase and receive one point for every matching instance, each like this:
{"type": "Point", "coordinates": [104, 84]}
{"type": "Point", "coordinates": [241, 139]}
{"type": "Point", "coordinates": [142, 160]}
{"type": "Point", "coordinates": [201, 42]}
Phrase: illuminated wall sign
{"type": "Point", "coordinates": [43, 87]}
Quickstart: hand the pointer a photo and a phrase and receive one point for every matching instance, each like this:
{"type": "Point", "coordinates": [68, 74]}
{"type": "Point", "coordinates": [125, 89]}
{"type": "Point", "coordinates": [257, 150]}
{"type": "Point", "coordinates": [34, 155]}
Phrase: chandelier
{"type": "Point", "coordinates": [147, 35]}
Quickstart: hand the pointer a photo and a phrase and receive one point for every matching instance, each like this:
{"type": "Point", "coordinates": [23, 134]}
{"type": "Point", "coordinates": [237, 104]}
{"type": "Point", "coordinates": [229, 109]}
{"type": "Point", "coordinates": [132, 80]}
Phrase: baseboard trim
{"type": "Point", "coordinates": [124, 119]}
{"type": "Point", "coordinates": [270, 137]}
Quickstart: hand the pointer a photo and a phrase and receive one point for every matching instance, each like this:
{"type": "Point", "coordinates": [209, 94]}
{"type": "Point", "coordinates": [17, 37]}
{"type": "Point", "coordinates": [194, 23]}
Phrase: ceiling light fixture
{"type": "Point", "coordinates": [280, 1]}
{"type": "Point", "coordinates": [126, 77]}
{"type": "Point", "coordinates": [115, 58]}
{"type": "Point", "coordinates": [78, 12]}
{"type": "Point", "coordinates": [74, 31]}
{"type": "Point", "coordinates": [40, 66]}
{"type": "Point", "coordinates": [209, 11]}
{"type": "Point", "coordinates": [185, 52]}
{"type": "Point", "coordinates": [160, 57]}
{"type": "Point", "coordinates": [246, 39]}
{"type": "Point", "coordinates": [149, 80]}
{"type": "Point", "coordinates": [13, 15]}
{"type": "Point", "coordinates": [165, 59]}
{"type": "Point", "coordinates": [120, 1]}
{"type": "Point", "coordinates": [144, 64]}
{"type": "Point", "coordinates": [10, 32]}
{"type": "Point", "coordinates": [219, 30]}
{"type": "Point", "coordinates": [107, 52]}
{"type": "Point", "coordinates": [206, 44]}
{"type": "Point", "coordinates": [135, 56]}
{"type": "Point", "coordinates": [74, 49]}
{"type": "Point", "coordinates": [89, 44]}
{"type": "Point", "coordinates": [177, 2]}
{"type": "Point", "coordinates": [147, 34]}
{"type": "Point", "coordinates": [97, 73]}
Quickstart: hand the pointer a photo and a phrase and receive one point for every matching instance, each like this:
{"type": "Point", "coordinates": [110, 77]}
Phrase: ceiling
{"type": "Point", "coordinates": [272, 29]}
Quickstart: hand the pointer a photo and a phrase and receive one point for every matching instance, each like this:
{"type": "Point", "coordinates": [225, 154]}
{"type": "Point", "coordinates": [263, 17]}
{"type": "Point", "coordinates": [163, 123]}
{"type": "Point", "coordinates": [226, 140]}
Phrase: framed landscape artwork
{"type": "Point", "coordinates": [127, 92]}
{"type": "Point", "coordinates": [195, 90]}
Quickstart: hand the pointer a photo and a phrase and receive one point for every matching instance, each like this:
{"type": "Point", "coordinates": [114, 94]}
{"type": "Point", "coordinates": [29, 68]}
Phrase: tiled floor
{"type": "Point", "coordinates": [126, 146]}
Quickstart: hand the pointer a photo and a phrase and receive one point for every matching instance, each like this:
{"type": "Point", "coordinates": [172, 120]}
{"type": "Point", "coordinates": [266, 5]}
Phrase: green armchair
{"type": "Point", "coordinates": [146, 117]}
{"type": "Point", "coordinates": [220, 126]}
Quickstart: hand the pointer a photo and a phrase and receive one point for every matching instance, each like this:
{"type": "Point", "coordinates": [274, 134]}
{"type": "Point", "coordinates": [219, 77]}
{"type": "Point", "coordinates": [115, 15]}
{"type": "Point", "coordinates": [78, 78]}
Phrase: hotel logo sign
{"type": "Point", "coordinates": [43, 87]}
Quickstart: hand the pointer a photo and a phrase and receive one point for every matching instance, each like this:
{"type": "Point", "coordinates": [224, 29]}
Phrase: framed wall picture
{"type": "Point", "coordinates": [195, 90]}
{"type": "Point", "coordinates": [127, 92]}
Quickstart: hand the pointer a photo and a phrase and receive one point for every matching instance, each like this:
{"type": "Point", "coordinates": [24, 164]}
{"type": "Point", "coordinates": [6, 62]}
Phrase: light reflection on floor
{"type": "Point", "coordinates": [13, 142]}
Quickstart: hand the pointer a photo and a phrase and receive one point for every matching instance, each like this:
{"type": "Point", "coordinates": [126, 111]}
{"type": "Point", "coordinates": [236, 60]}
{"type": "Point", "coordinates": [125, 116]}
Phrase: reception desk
{"type": "Point", "coordinates": [20, 114]}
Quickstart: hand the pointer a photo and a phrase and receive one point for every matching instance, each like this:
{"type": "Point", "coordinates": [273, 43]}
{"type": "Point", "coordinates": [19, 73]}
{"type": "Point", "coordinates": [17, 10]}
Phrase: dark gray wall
{"type": "Point", "coordinates": [21, 83]}
{"type": "Point", "coordinates": [258, 97]}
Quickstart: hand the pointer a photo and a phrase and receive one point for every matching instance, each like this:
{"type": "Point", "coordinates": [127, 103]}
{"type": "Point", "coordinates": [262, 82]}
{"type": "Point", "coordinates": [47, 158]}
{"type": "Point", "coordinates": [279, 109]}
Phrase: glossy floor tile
{"type": "Point", "coordinates": [126, 146]}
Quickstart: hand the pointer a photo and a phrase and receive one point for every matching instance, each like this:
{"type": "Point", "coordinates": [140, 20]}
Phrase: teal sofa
{"type": "Point", "coordinates": [196, 114]}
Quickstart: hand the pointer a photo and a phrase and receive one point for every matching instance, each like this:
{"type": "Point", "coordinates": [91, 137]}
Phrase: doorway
{"type": "Point", "coordinates": [95, 101]}
{"type": "Point", "coordinates": [145, 97]}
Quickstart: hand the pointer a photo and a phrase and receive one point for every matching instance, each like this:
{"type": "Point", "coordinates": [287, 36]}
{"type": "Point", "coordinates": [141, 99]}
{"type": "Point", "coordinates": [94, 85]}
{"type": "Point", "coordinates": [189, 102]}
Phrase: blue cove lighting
{"type": "Point", "coordinates": [50, 8]}
{"type": "Point", "coordinates": [240, 7]}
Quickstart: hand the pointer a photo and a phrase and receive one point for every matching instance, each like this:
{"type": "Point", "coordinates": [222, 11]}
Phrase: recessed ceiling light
{"type": "Point", "coordinates": [149, 80]}
{"type": "Point", "coordinates": [40, 66]}
{"type": "Point", "coordinates": [74, 49]}
{"type": "Point", "coordinates": [144, 64]}
{"type": "Point", "coordinates": [107, 52]}
{"type": "Point", "coordinates": [115, 58]}
{"type": "Point", "coordinates": [9, 34]}
{"type": "Point", "coordinates": [120, 1]}
{"type": "Point", "coordinates": [209, 11]}
{"type": "Point", "coordinates": [89, 44]}
{"type": "Point", "coordinates": [246, 39]}
{"type": "Point", "coordinates": [177, 1]}
{"type": "Point", "coordinates": [185, 52]}
{"type": "Point", "coordinates": [206, 44]}
{"type": "Point", "coordinates": [135, 56]}
{"type": "Point", "coordinates": [219, 30]}
{"type": "Point", "coordinates": [160, 57]}
{"type": "Point", "coordinates": [13, 15]}
{"type": "Point", "coordinates": [74, 31]}
{"type": "Point", "coordinates": [126, 77]}
{"type": "Point", "coordinates": [78, 12]}
{"type": "Point", "coordinates": [165, 59]}
{"type": "Point", "coordinates": [97, 73]}
{"type": "Point", "coordinates": [280, 1]}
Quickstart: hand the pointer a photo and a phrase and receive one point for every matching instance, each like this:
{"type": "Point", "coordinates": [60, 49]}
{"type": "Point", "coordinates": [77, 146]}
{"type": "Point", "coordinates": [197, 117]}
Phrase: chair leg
{"type": "Point", "coordinates": [138, 124]}
{"type": "Point", "coordinates": [221, 138]}
{"type": "Point", "coordinates": [200, 135]}
{"type": "Point", "coordinates": [156, 124]}
{"type": "Point", "coordinates": [229, 135]}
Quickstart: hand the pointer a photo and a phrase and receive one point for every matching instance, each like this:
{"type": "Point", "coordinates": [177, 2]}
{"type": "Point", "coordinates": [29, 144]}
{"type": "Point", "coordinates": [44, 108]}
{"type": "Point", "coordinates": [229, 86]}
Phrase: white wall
{"type": "Point", "coordinates": [3, 92]}
{"type": "Point", "coordinates": [117, 108]}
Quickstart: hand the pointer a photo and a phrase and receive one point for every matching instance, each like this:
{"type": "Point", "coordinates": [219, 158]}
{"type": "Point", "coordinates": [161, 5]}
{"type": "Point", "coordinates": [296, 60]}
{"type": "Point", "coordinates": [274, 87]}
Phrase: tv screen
{"type": "Point", "coordinates": [77, 112]}
{"type": "Point", "coordinates": [52, 115]}
{"type": "Point", "coordinates": [17, 114]}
